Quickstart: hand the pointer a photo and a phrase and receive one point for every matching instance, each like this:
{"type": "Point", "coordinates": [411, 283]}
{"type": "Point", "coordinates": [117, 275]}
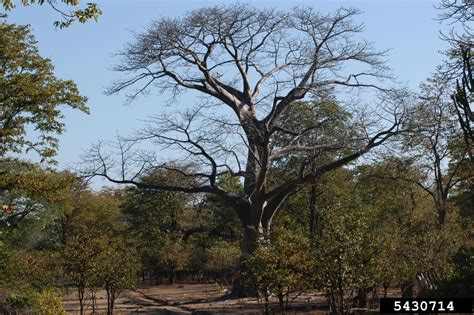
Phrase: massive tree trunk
{"type": "Point", "coordinates": [250, 239]}
{"type": "Point", "coordinates": [253, 233]}
{"type": "Point", "coordinates": [256, 219]}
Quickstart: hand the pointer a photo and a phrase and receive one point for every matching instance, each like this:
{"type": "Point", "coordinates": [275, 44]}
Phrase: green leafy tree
{"type": "Point", "coordinates": [84, 228]}
{"type": "Point", "coordinates": [172, 256]}
{"type": "Point", "coordinates": [63, 8]}
{"type": "Point", "coordinates": [457, 69]}
{"type": "Point", "coordinates": [158, 222]}
{"type": "Point", "coordinates": [91, 212]}
{"type": "Point", "coordinates": [412, 244]}
{"type": "Point", "coordinates": [116, 270]}
{"type": "Point", "coordinates": [80, 259]}
{"type": "Point", "coordinates": [31, 96]}
{"type": "Point", "coordinates": [460, 283]}
{"type": "Point", "coordinates": [282, 267]}
{"type": "Point", "coordinates": [346, 248]}
{"type": "Point", "coordinates": [436, 148]}
{"type": "Point", "coordinates": [31, 198]}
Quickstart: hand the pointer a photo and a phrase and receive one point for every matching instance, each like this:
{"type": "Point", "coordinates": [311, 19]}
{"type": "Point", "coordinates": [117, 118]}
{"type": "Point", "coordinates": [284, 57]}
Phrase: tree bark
{"type": "Point", "coordinates": [249, 244]}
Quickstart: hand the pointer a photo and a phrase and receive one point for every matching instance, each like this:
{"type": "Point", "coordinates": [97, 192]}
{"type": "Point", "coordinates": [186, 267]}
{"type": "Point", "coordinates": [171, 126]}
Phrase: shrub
{"type": "Point", "coordinates": [21, 301]}
{"type": "Point", "coordinates": [460, 284]}
{"type": "Point", "coordinates": [49, 303]}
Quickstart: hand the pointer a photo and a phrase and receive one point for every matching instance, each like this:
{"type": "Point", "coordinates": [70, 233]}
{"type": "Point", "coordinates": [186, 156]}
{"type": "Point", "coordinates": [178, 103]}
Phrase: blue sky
{"type": "Point", "coordinates": [85, 54]}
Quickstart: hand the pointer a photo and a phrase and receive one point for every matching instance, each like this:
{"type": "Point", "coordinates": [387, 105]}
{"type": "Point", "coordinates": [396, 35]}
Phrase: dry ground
{"type": "Point", "coordinates": [187, 299]}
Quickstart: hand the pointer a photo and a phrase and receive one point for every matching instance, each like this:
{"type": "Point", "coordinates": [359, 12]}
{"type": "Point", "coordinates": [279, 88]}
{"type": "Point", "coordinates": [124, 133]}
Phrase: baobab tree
{"type": "Point", "coordinates": [251, 66]}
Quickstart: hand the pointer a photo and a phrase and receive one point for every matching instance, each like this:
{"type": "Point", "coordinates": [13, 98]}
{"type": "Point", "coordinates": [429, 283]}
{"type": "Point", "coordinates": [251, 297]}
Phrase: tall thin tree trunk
{"type": "Point", "coordinates": [386, 285]}
{"type": "Point", "coordinates": [80, 294]}
{"type": "Point", "coordinates": [312, 211]}
{"type": "Point", "coordinates": [94, 301]}
{"type": "Point", "coordinates": [267, 302]}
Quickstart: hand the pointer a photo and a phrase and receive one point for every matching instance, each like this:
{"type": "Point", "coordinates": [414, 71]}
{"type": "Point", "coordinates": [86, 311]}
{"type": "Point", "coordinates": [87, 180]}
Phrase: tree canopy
{"type": "Point", "coordinates": [31, 96]}
{"type": "Point", "coordinates": [68, 16]}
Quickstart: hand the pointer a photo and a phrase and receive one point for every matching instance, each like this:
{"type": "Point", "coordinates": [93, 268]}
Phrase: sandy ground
{"type": "Point", "coordinates": [187, 299]}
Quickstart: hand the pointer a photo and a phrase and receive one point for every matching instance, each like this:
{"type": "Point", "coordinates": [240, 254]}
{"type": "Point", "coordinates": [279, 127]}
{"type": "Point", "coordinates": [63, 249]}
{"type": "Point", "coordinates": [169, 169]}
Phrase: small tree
{"type": "Point", "coordinates": [344, 254]}
{"type": "Point", "coordinates": [116, 269]}
{"type": "Point", "coordinates": [282, 267]}
{"type": "Point", "coordinates": [80, 256]}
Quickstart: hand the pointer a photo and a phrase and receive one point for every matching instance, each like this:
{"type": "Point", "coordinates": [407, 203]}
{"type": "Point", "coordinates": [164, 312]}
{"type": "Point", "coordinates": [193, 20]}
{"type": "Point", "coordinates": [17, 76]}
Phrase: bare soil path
{"type": "Point", "coordinates": [186, 299]}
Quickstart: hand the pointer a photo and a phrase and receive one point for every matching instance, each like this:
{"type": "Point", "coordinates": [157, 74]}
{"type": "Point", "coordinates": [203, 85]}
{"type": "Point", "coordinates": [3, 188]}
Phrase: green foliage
{"type": "Point", "coordinates": [97, 260]}
{"type": "Point", "coordinates": [89, 212]}
{"type": "Point", "coordinates": [36, 269]}
{"type": "Point", "coordinates": [150, 212]}
{"type": "Point", "coordinates": [171, 256]}
{"type": "Point", "coordinates": [21, 269]}
{"type": "Point", "coordinates": [282, 266]}
{"type": "Point", "coordinates": [31, 95]}
{"type": "Point", "coordinates": [49, 303]}
{"type": "Point", "coordinates": [31, 198]}
{"type": "Point", "coordinates": [116, 269]}
{"type": "Point", "coordinates": [80, 257]}
{"type": "Point", "coordinates": [175, 233]}
{"type": "Point", "coordinates": [318, 122]}
{"type": "Point", "coordinates": [373, 228]}
{"type": "Point", "coordinates": [21, 301]}
{"type": "Point", "coordinates": [222, 258]}
{"type": "Point", "coordinates": [91, 11]}
{"type": "Point", "coordinates": [46, 302]}
{"type": "Point", "coordinates": [411, 241]}
{"type": "Point", "coordinates": [460, 282]}
{"type": "Point", "coordinates": [6, 264]}
{"type": "Point", "coordinates": [156, 220]}
{"type": "Point", "coordinates": [221, 220]}
{"type": "Point", "coordinates": [346, 249]}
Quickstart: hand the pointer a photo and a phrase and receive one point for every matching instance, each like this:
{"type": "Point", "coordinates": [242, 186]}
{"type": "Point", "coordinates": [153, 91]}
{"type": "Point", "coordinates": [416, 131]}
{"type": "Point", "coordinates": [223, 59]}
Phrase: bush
{"type": "Point", "coordinates": [49, 303]}
{"type": "Point", "coordinates": [460, 284]}
{"type": "Point", "coordinates": [21, 301]}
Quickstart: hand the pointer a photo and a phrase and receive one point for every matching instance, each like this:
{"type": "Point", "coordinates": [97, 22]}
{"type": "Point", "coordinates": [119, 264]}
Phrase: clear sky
{"type": "Point", "coordinates": [85, 54]}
